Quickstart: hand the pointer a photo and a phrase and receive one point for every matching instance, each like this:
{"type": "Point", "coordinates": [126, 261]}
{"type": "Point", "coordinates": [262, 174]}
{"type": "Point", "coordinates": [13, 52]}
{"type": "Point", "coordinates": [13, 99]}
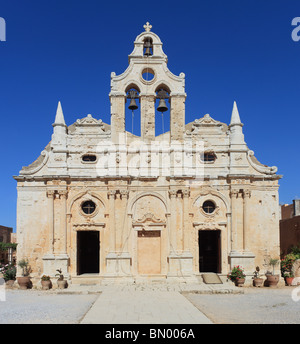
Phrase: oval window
{"type": "Point", "coordinates": [209, 157]}
{"type": "Point", "coordinates": [89, 158]}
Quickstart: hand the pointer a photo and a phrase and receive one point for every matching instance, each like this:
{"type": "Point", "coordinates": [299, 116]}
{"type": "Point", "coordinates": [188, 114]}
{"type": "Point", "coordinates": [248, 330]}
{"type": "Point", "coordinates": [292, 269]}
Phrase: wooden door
{"type": "Point", "coordinates": [149, 252]}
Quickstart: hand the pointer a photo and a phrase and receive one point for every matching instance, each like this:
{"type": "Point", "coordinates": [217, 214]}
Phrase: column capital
{"type": "Point", "coordinates": [185, 193]}
{"type": "Point", "coordinates": [173, 193]}
{"type": "Point", "coordinates": [234, 193]}
{"type": "Point", "coordinates": [247, 193]}
{"type": "Point", "coordinates": [111, 194]}
{"type": "Point", "coordinates": [124, 194]}
{"type": "Point", "coordinates": [50, 193]}
{"type": "Point", "coordinates": [63, 193]}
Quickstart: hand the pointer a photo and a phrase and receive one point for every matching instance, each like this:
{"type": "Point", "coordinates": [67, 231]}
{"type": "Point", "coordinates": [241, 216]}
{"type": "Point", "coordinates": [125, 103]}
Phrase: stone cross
{"type": "Point", "coordinates": [147, 27]}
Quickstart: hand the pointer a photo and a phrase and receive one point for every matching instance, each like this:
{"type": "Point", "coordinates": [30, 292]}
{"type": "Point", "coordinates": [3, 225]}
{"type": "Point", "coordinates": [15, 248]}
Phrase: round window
{"type": "Point", "coordinates": [88, 207]}
{"type": "Point", "coordinates": [148, 74]}
{"type": "Point", "coordinates": [209, 207]}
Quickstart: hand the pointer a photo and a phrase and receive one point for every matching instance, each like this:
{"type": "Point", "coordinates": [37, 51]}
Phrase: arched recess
{"type": "Point", "coordinates": [149, 234]}
{"type": "Point", "coordinates": [159, 198]}
{"type": "Point", "coordinates": [211, 230]}
{"type": "Point", "coordinates": [133, 116]}
{"type": "Point", "coordinates": [162, 120]}
{"type": "Point", "coordinates": [215, 193]}
{"type": "Point", "coordinates": [81, 195]}
{"type": "Point", "coordinates": [85, 233]}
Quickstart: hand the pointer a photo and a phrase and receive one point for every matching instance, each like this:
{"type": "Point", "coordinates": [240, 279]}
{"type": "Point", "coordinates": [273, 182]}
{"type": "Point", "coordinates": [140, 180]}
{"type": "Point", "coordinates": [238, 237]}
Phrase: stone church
{"type": "Point", "coordinates": [102, 203]}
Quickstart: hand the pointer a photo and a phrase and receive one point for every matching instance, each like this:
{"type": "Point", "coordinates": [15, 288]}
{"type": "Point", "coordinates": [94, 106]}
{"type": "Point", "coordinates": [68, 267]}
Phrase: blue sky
{"type": "Point", "coordinates": [229, 50]}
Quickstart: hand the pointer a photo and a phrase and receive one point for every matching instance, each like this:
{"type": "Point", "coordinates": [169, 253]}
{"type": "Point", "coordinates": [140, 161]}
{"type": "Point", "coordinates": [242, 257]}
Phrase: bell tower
{"type": "Point", "coordinates": [147, 79]}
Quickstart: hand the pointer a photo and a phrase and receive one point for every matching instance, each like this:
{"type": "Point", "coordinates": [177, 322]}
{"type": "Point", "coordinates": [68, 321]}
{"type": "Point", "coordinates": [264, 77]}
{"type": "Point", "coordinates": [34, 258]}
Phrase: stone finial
{"type": "Point", "coordinates": [147, 27]}
{"type": "Point", "coordinates": [235, 117]}
{"type": "Point", "coordinates": [59, 118]}
{"type": "Point", "coordinates": [236, 131]}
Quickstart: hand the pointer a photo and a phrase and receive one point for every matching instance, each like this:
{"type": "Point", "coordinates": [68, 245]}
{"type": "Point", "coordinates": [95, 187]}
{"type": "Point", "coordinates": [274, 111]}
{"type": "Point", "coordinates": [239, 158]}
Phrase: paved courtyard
{"type": "Point", "coordinates": [147, 306]}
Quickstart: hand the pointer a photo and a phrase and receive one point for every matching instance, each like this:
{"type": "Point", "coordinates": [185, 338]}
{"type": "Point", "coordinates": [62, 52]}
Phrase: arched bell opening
{"type": "Point", "coordinates": [148, 47]}
{"type": "Point", "coordinates": [162, 113]}
{"type": "Point", "coordinates": [132, 110]}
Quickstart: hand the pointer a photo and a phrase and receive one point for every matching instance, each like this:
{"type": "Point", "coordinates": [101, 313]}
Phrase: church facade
{"type": "Point", "coordinates": [103, 203]}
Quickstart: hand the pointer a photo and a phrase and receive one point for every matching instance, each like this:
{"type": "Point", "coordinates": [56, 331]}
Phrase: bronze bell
{"type": "Point", "coordinates": [147, 47]}
{"type": "Point", "coordinates": [132, 106]}
{"type": "Point", "coordinates": [162, 106]}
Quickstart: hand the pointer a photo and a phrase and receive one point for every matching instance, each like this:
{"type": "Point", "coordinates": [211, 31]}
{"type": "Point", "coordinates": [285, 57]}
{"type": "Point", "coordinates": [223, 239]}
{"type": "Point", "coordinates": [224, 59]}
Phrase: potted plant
{"type": "Point", "coordinates": [46, 282]}
{"type": "Point", "coordinates": [272, 279]}
{"type": "Point", "coordinates": [9, 274]}
{"type": "Point", "coordinates": [288, 276]}
{"type": "Point", "coordinates": [24, 281]}
{"type": "Point", "coordinates": [257, 280]}
{"type": "Point", "coordinates": [237, 276]}
{"type": "Point", "coordinates": [61, 282]}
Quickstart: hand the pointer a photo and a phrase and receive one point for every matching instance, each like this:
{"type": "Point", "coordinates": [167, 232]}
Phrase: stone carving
{"type": "Point", "coordinates": [32, 169]}
{"type": "Point", "coordinates": [204, 123]}
{"type": "Point", "coordinates": [259, 167]}
{"type": "Point", "coordinates": [149, 217]}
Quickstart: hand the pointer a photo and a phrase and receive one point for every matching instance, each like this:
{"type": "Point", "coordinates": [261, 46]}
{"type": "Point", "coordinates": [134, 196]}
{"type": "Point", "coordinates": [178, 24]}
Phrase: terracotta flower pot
{"type": "Point", "coordinates": [46, 285]}
{"type": "Point", "coordinates": [9, 283]}
{"type": "Point", "coordinates": [239, 282]}
{"type": "Point", "coordinates": [258, 282]}
{"type": "Point", "coordinates": [289, 280]}
{"type": "Point", "coordinates": [24, 282]}
{"type": "Point", "coordinates": [62, 284]}
{"type": "Point", "coordinates": [272, 280]}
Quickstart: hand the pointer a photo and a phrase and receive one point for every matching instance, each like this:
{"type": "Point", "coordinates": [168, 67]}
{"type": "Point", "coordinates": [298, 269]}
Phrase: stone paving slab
{"type": "Point", "coordinates": [143, 307]}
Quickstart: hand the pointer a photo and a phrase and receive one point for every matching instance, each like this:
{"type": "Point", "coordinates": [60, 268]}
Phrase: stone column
{"type": "Point", "coordinates": [177, 117]}
{"type": "Point", "coordinates": [112, 226]}
{"type": "Point", "coordinates": [147, 117]}
{"type": "Point", "coordinates": [63, 195]}
{"type": "Point", "coordinates": [50, 196]}
{"type": "Point", "coordinates": [247, 195]}
{"type": "Point", "coordinates": [234, 220]}
{"type": "Point", "coordinates": [117, 111]}
{"type": "Point", "coordinates": [173, 224]}
{"type": "Point", "coordinates": [57, 258]}
{"type": "Point", "coordinates": [185, 227]}
{"type": "Point", "coordinates": [124, 197]}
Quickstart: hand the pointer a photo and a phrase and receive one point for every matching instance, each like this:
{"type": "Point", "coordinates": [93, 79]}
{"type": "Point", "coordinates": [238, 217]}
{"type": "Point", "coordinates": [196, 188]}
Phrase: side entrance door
{"type": "Point", "coordinates": [88, 252]}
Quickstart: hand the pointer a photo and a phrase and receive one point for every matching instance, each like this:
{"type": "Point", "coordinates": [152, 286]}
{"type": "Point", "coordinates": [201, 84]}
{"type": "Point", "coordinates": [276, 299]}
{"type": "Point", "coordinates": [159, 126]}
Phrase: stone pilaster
{"type": "Point", "coordinates": [246, 222]}
{"type": "Point", "coordinates": [177, 117]}
{"type": "Point", "coordinates": [185, 218]}
{"type": "Point", "coordinates": [50, 197]}
{"type": "Point", "coordinates": [173, 222]}
{"type": "Point", "coordinates": [112, 226]}
{"type": "Point", "coordinates": [117, 116]}
{"type": "Point", "coordinates": [234, 219]}
{"type": "Point", "coordinates": [147, 117]}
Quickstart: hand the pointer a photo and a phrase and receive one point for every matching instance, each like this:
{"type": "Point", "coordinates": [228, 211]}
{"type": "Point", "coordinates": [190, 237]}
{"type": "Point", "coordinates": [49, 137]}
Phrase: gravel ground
{"type": "Point", "coordinates": [40, 307]}
{"type": "Point", "coordinates": [255, 306]}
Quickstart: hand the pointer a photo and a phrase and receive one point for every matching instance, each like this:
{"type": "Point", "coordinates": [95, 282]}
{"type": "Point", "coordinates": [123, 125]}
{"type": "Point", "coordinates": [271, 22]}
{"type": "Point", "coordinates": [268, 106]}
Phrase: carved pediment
{"type": "Point", "coordinates": [89, 121]}
{"type": "Point", "coordinates": [205, 123]}
{"type": "Point", "coordinates": [91, 126]}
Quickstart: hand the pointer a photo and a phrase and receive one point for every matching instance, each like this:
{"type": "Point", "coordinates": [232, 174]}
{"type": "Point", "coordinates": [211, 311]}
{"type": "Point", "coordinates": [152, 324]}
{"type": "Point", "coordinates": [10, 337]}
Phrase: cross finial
{"type": "Point", "coordinates": [147, 27]}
